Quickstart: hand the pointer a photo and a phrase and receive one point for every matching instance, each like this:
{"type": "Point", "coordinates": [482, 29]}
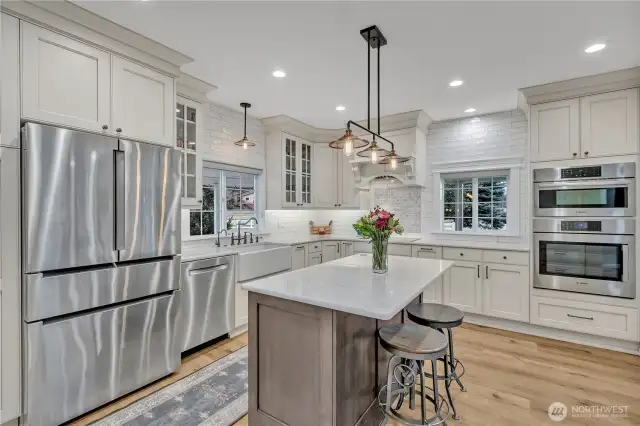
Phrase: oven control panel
{"type": "Point", "coordinates": [581, 172]}
{"type": "Point", "coordinates": [581, 225]}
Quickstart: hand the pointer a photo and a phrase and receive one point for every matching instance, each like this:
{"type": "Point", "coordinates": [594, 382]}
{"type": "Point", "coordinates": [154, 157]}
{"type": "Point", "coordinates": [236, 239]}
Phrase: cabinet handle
{"type": "Point", "coordinates": [478, 271]}
{"type": "Point", "coordinates": [575, 154]}
{"type": "Point", "coordinates": [578, 316]}
{"type": "Point", "coordinates": [200, 201]}
{"type": "Point", "coordinates": [586, 153]}
{"type": "Point", "coordinates": [118, 130]}
{"type": "Point", "coordinates": [338, 247]}
{"type": "Point", "coordinates": [426, 249]}
{"type": "Point", "coordinates": [105, 127]}
{"type": "Point", "coordinates": [487, 272]}
{"type": "Point", "coordinates": [300, 247]}
{"type": "Point", "coordinates": [461, 254]}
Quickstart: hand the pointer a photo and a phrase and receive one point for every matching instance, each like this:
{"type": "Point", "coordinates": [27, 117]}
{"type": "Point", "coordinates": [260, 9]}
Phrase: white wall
{"type": "Point", "coordinates": [477, 139]}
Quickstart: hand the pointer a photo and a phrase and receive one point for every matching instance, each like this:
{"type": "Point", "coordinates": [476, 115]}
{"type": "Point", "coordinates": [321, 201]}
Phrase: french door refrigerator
{"type": "Point", "coordinates": [101, 244]}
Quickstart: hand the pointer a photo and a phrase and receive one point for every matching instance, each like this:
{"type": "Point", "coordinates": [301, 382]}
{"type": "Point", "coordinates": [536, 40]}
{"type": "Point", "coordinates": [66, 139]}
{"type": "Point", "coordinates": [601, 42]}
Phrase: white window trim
{"type": "Point", "coordinates": [513, 199]}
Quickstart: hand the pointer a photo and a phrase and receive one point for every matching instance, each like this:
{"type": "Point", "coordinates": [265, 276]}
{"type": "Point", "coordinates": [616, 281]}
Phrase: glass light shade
{"type": "Point", "coordinates": [393, 160]}
{"type": "Point", "coordinates": [374, 152]}
{"type": "Point", "coordinates": [245, 143]}
{"type": "Point", "coordinates": [348, 143]}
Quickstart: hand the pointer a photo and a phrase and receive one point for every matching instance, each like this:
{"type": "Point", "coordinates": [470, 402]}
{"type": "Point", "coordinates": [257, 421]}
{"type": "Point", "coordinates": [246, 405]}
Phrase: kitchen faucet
{"type": "Point", "coordinates": [225, 233]}
{"type": "Point", "coordinates": [246, 222]}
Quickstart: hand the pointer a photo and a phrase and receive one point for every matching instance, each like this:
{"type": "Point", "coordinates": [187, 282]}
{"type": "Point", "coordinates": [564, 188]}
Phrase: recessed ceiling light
{"type": "Point", "coordinates": [595, 48]}
{"type": "Point", "coordinates": [470, 110]}
{"type": "Point", "coordinates": [341, 108]}
{"type": "Point", "coordinates": [475, 120]}
{"type": "Point", "coordinates": [456, 83]}
{"type": "Point", "coordinates": [279, 74]}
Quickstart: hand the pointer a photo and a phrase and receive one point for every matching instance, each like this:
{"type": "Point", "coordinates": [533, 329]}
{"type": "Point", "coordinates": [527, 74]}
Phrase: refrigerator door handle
{"type": "Point", "coordinates": [118, 157]}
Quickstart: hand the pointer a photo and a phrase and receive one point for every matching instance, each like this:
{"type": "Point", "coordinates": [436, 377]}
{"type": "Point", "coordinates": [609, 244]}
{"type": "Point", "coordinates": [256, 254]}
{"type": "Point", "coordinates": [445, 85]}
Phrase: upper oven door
{"type": "Point", "coordinates": [606, 197]}
{"type": "Point", "coordinates": [592, 264]}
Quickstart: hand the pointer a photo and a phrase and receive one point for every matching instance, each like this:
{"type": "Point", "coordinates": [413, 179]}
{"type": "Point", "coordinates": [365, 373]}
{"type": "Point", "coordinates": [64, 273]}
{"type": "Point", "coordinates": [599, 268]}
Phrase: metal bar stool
{"type": "Point", "coordinates": [442, 317]}
{"type": "Point", "coordinates": [412, 345]}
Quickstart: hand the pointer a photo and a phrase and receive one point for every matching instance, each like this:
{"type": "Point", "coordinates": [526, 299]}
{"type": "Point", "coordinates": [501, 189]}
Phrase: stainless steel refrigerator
{"type": "Point", "coordinates": [101, 244]}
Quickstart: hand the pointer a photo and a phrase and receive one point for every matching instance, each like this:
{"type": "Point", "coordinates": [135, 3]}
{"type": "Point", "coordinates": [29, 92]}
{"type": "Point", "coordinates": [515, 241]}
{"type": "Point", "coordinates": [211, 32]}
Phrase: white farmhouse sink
{"type": "Point", "coordinates": [259, 260]}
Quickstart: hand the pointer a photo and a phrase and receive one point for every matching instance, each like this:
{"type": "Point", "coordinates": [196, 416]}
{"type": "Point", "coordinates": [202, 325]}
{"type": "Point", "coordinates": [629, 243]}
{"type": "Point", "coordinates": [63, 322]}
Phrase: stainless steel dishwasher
{"type": "Point", "coordinates": [207, 307]}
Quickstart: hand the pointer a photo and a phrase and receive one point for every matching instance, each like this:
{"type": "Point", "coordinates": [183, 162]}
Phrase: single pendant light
{"type": "Point", "coordinates": [245, 143]}
{"type": "Point", "coordinates": [347, 143]}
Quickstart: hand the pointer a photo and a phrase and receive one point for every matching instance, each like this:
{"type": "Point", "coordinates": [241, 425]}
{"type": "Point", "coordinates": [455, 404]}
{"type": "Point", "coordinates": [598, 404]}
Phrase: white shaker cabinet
{"type": "Point", "coordinates": [463, 287]}
{"type": "Point", "coordinates": [10, 82]}
{"type": "Point", "coordinates": [143, 102]}
{"type": "Point", "coordinates": [325, 183]}
{"type": "Point", "coordinates": [348, 195]}
{"type": "Point", "coordinates": [330, 250]}
{"type": "Point", "coordinates": [433, 293]}
{"type": "Point", "coordinates": [241, 306]}
{"type": "Point", "coordinates": [609, 123]}
{"type": "Point", "coordinates": [506, 291]}
{"type": "Point", "coordinates": [298, 168]}
{"type": "Point", "coordinates": [314, 259]}
{"type": "Point", "coordinates": [299, 257]}
{"type": "Point", "coordinates": [555, 130]}
{"type": "Point", "coordinates": [189, 142]}
{"type": "Point", "coordinates": [64, 81]}
{"type": "Point", "coordinates": [347, 248]}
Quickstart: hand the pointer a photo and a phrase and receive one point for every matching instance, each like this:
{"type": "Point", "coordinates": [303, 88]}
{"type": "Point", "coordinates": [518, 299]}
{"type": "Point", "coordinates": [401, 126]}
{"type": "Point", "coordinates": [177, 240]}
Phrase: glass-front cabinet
{"type": "Point", "coordinates": [188, 141]}
{"type": "Point", "coordinates": [297, 159]}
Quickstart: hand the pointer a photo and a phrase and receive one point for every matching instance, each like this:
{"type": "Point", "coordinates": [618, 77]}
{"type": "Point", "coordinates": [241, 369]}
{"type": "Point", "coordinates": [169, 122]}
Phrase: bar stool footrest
{"type": "Point", "coordinates": [399, 417]}
{"type": "Point", "coordinates": [453, 374]}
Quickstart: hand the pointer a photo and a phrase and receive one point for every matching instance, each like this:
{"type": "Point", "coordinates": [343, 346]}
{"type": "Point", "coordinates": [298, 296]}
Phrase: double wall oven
{"type": "Point", "coordinates": [584, 230]}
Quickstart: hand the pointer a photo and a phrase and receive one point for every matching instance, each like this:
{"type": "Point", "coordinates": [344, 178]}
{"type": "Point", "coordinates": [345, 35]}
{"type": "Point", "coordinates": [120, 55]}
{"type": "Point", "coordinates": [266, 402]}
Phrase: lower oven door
{"type": "Point", "coordinates": [606, 197]}
{"type": "Point", "coordinates": [78, 363]}
{"type": "Point", "coordinates": [591, 264]}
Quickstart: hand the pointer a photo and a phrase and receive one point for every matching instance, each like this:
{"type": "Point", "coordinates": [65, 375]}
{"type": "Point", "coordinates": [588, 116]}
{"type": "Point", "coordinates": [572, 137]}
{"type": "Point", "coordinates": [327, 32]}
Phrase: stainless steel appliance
{"type": "Point", "coordinates": [101, 234]}
{"type": "Point", "coordinates": [208, 308]}
{"type": "Point", "coordinates": [606, 190]}
{"type": "Point", "coordinates": [585, 256]}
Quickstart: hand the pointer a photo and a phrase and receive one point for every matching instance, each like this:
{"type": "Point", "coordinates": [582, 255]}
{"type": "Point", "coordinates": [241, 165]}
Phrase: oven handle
{"type": "Point", "coordinates": [605, 183]}
{"type": "Point", "coordinates": [625, 263]}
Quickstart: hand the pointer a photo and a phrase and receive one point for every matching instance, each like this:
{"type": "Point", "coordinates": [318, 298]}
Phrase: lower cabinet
{"type": "Point", "coordinates": [242, 306]}
{"type": "Point", "coordinates": [299, 257]}
{"type": "Point", "coordinates": [347, 248]}
{"type": "Point", "coordinates": [433, 293]}
{"type": "Point", "coordinates": [330, 250]}
{"type": "Point", "coordinates": [463, 287]}
{"type": "Point", "coordinates": [314, 259]}
{"type": "Point", "coordinates": [505, 293]}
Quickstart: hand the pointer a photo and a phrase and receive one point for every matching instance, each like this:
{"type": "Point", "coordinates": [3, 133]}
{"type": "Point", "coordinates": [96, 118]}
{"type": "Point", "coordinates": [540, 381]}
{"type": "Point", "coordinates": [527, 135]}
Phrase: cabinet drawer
{"type": "Point", "coordinates": [457, 253]}
{"type": "Point", "coordinates": [315, 247]}
{"type": "Point", "coordinates": [399, 250]}
{"type": "Point", "coordinates": [506, 257]}
{"type": "Point", "coordinates": [427, 252]}
{"type": "Point", "coordinates": [603, 320]}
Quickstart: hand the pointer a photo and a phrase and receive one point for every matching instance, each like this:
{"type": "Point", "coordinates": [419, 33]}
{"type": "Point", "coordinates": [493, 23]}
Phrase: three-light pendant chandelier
{"type": "Point", "coordinates": [349, 143]}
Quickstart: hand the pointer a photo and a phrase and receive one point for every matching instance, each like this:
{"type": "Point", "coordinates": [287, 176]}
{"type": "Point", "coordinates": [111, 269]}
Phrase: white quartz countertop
{"type": "Point", "coordinates": [349, 284]}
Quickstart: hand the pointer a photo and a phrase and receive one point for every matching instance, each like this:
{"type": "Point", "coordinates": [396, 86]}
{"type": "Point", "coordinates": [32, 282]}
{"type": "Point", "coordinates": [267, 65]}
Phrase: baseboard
{"type": "Point", "coordinates": [556, 334]}
{"type": "Point", "coordinates": [238, 331]}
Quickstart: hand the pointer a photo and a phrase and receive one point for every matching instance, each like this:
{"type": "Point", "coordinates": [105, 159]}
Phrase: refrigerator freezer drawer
{"type": "Point", "coordinates": [77, 364]}
{"type": "Point", "coordinates": [52, 295]}
{"type": "Point", "coordinates": [207, 307]}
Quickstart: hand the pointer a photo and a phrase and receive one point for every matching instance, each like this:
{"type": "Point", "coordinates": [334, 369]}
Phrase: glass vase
{"type": "Point", "coordinates": [379, 256]}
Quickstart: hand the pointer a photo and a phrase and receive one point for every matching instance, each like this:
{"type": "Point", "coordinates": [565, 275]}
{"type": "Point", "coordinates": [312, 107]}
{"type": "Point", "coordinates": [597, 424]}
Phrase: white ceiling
{"type": "Point", "coordinates": [495, 48]}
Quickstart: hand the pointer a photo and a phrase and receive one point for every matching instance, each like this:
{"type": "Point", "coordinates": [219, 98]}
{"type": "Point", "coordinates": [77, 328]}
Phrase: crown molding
{"type": "Point", "coordinates": [193, 88]}
{"type": "Point", "coordinates": [76, 22]}
{"type": "Point", "coordinates": [405, 120]}
{"type": "Point", "coordinates": [583, 86]}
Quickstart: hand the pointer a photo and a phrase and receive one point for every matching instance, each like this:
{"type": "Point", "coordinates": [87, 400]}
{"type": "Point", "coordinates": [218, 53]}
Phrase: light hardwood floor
{"type": "Point", "coordinates": [511, 379]}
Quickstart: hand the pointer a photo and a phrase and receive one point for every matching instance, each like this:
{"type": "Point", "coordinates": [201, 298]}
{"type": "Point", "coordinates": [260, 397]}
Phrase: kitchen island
{"type": "Point", "coordinates": [314, 358]}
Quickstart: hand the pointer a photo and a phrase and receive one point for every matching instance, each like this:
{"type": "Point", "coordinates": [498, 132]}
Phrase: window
{"type": "Point", "coordinates": [228, 197]}
{"type": "Point", "coordinates": [475, 203]}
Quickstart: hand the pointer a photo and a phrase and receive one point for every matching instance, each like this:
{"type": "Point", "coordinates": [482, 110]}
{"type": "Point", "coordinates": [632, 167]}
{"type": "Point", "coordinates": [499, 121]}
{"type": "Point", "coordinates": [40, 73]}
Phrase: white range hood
{"type": "Point", "coordinates": [367, 173]}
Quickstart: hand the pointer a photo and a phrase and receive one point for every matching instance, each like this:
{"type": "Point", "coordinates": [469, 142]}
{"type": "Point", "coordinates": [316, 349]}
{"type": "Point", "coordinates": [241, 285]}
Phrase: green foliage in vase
{"type": "Point", "coordinates": [378, 225]}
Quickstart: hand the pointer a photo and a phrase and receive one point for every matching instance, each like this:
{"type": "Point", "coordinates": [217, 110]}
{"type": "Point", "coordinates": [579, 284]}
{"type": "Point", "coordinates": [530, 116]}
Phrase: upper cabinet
{"type": "Point", "coordinates": [609, 123]}
{"type": "Point", "coordinates": [10, 82]}
{"type": "Point", "coordinates": [555, 130]}
{"type": "Point", "coordinates": [335, 186]}
{"type": "Point", "coordinates": [297, 171]}
{"type": "Point", "coordinates": [142, 103]}
{"type": "Point", "coordinates": [64, 81]}
{"type": "Point", "coordinates": [592, 126]}
{"type": "Point", "coordinates": [74, 84]}
{"type": "Point", "coordinates": [188, 142]}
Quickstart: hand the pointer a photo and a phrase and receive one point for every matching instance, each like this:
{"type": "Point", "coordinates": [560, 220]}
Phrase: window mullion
{"type": "Point", "coordinates": [475, 205]}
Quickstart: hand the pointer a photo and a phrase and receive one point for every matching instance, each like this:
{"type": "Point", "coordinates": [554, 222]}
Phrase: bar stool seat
{"type": "Point", "coordinates": [435, 315]}
{"type": "Point", "coordinates": [411, 346]}
{"type": "Point", "coordinates": [411, 341]}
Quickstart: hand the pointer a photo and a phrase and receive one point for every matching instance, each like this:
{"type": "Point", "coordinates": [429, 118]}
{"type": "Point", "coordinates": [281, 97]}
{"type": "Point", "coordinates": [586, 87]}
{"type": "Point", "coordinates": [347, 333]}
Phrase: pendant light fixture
{"type": "Point", "coordinates": [245, 143]}
{"type": "Point", "coordinates": [375, 40]}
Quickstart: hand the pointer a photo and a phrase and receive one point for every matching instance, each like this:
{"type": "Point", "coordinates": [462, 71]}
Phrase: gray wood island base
{"type": "Point", "coordinates": [314, 356]}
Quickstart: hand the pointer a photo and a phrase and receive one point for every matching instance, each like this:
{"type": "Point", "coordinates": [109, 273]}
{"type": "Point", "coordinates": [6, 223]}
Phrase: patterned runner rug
{"type": "Point", "coordinates": [214, 396]}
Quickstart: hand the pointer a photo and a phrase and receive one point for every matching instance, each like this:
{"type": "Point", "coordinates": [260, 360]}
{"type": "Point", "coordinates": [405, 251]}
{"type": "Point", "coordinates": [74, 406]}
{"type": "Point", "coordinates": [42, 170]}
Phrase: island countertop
{"type": "Point", "coordinates": [349, 285]}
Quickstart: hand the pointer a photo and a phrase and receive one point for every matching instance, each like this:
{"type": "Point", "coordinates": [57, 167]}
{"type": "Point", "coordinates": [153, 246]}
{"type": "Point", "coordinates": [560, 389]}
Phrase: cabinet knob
{"type": "Point", "coordinates": [461, 254]}
{"type": "Point", "coordinates": [586, 153]}
{"type": "Point", "coordinates": [200, 201]}
{"type": "Point", "coordinates": [105, 127]}
{"type": "Point", "coordinates": [575, 154]}
{"type": "Point", "coordinates": [504, 257]}
{"type": "Point", "coordinates": [118, 130]}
